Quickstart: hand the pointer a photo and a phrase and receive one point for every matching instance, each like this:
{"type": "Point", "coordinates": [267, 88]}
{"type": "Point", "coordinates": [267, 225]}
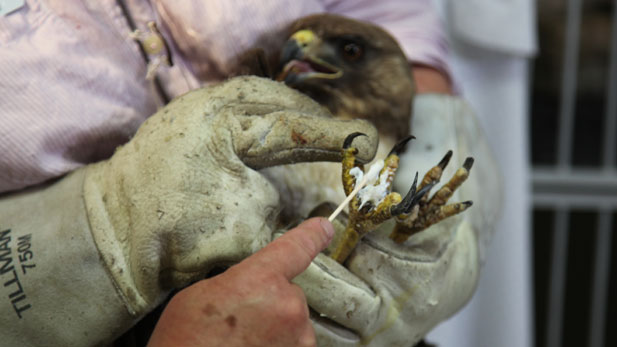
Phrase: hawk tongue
{"type": "Point", "coordinates": [299, 66]}
{"type": "Point", "coordinates": [296, 67]}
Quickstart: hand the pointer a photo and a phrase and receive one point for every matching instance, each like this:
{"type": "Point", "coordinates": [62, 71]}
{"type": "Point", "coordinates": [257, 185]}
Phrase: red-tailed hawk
{"type": "Point", "coordinates": [356, 70]}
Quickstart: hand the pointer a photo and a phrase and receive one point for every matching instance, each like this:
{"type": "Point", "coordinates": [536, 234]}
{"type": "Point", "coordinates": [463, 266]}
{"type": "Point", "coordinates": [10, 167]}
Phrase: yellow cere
{"type": "Point", "coordinates": [303, 36]}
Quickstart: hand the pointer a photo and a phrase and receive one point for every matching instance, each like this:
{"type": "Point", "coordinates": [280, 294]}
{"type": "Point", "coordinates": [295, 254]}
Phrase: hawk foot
{"type": "Point", "coordinates": [376, 202]}
{"type": "Point", "coordinates": [429, 211]}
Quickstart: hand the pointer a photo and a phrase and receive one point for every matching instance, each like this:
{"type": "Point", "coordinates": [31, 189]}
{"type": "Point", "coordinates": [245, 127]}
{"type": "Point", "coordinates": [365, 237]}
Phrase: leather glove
{"type": "Point", "coordinates": [389, 294]}
{"type": "Point", "coordinates": [84, 258]}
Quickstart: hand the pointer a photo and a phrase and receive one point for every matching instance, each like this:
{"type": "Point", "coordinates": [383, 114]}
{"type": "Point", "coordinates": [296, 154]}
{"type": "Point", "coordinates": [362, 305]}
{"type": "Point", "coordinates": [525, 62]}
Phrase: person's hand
{"type": "Point", "coordinates": [253, 303]}
{"type": "Point", "coordinates": [389, 294]}
{"type": "Point", "coordinates": [183, 195]}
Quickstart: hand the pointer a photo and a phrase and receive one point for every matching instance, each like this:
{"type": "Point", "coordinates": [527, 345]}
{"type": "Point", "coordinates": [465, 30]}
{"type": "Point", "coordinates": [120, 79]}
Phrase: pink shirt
{"type": "Point", "coordinates": [72, 80]}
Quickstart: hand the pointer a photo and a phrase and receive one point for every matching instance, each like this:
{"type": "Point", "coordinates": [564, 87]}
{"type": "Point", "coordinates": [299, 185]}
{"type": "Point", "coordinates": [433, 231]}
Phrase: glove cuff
{"type": "Point", "coordinates": [55, 282]}
{"type": "Point", "coordinates": [110, 241]}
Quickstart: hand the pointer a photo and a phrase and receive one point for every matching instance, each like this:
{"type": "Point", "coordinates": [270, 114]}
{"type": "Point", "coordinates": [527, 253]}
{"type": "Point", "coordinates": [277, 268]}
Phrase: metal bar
{"type": "Point", "coordinates": [577, 188]}
{"type": "Point", "coordinates": [589, 202]}
{"type": "Point", "coordinates": [599, 294]}
{"type": "Point", "coordinates": [568, 84]}
{"type": "Point", "coordinates": [589, 179]}
{"type": "Point", "coordinates": [610, 142]}
{"type": "Point", "coordinates": [557, 278]}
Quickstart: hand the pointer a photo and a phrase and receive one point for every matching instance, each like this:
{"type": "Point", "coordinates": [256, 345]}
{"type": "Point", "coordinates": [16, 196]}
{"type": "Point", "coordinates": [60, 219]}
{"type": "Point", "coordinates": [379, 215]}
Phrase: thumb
{"type": "Point", "coordinates": [290, 254]}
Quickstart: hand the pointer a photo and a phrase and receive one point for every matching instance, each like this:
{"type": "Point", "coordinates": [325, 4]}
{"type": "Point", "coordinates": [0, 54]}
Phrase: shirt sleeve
{"type": "Point", "coordinates": [415, 24]}
{"type": "Point", "coordinates": [66, 99]}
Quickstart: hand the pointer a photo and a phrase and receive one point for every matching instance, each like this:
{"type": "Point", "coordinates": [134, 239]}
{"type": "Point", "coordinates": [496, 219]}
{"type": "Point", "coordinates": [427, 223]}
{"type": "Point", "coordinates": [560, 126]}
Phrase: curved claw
{"type": "Point", "coordinates": [425, 190]}
{"type": "Point", "coordinates": [403, 206]}
{"type": "Point", "coordinates": [468, 163]}
{"type": "Point", "coordinates": [350, 137]}
{"type": "Point", "coordinates": [412, 198]}
{"type": "Point", "coordinates": [446, 159]}
{"type": "Point", "coordinates": [400, 146]}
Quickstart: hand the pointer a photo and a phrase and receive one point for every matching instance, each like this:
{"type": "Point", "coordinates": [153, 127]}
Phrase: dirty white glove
{"type": "Point", "coordinates": [84, 258]}
{"type": "Point", "coordinates": [390, 294]}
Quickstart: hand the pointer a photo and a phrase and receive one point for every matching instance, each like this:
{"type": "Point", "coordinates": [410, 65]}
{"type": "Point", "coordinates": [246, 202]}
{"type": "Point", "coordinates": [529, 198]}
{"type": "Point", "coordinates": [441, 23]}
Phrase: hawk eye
{"type": "Point", "coordinates": [352, 51]}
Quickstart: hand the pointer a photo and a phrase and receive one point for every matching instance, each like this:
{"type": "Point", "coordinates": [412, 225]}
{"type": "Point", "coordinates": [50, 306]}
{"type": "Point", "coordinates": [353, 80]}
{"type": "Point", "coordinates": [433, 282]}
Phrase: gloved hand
{"type": "Point", "coordinates": [108, 242]}
{"type": "Point", "coordinates": [392, 295]}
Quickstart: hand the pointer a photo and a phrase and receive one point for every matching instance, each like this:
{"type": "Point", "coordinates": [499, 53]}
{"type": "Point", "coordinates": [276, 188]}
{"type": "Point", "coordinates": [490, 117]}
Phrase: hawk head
{"type": "Point", "coordinates": [354, 68]}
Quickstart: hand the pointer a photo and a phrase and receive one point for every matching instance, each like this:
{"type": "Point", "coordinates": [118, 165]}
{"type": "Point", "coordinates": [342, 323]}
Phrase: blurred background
{"type": "Point", "coordinates": [573, 124]}
{"type": "Point", "coordinates": [542, 77]}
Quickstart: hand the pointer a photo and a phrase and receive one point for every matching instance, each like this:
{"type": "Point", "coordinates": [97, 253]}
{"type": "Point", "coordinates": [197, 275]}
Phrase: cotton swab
{"type": "Point", "coordinates": [371, 176]}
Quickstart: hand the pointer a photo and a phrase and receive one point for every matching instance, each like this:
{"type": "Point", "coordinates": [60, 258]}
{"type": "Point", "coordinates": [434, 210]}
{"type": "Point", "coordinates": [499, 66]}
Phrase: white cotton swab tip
{"type": "Point", "coordinates": [371, 176]}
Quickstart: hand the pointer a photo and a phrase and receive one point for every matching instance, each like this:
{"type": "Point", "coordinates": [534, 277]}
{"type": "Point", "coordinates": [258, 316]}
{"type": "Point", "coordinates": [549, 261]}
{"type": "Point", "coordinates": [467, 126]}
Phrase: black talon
{"type": "Point", "coordinates": [468, 163]}
{"type": "Point", "coordinates": [350, 137]}
{"type": "Point", "coordinates": [424, 191]}
{"type": "Point", "coordinates": [446, 159]}
{"type": "Point", "coordinates": [400, 147]}
{"type": "Point", "coordinates": [412, 199]}
{"type": "Point", "coordinates": [467, 203]}
{"type": "Point", "coordinates": [397, 209]}
{"type": "Point", "coordinates": [408, 201]}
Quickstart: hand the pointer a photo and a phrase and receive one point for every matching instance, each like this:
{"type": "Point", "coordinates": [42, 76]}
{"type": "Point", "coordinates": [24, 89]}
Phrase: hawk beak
{"type": "Point", "coordinates": [300, 60]}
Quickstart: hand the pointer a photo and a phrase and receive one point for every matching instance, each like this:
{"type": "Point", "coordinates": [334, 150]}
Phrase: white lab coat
{"type": "Point", "coordinates": [491, 43]}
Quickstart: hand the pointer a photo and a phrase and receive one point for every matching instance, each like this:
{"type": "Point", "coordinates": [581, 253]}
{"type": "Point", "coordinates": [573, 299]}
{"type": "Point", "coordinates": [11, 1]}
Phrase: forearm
{"type": "Point", "coordinates": [430, 80]}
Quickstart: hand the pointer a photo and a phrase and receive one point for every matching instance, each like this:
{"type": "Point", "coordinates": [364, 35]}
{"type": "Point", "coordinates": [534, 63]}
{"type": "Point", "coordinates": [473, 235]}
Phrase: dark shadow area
{"type": "Point", "coordinates": [579, 278]}
{"type": "Point", "coordinates": [543, 226]}
{"type": "Point", "coordinates": [591, 78]}
{"type": "Point", "coordinates": [546, 84]}
{"type": "Point", "coordinates": [610, 333]}
{"type": "Point", "coordinates": [592, 82]}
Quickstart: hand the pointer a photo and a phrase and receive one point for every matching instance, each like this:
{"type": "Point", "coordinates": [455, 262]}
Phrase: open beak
{"type": "Point", "coordinates": [300, 60]}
